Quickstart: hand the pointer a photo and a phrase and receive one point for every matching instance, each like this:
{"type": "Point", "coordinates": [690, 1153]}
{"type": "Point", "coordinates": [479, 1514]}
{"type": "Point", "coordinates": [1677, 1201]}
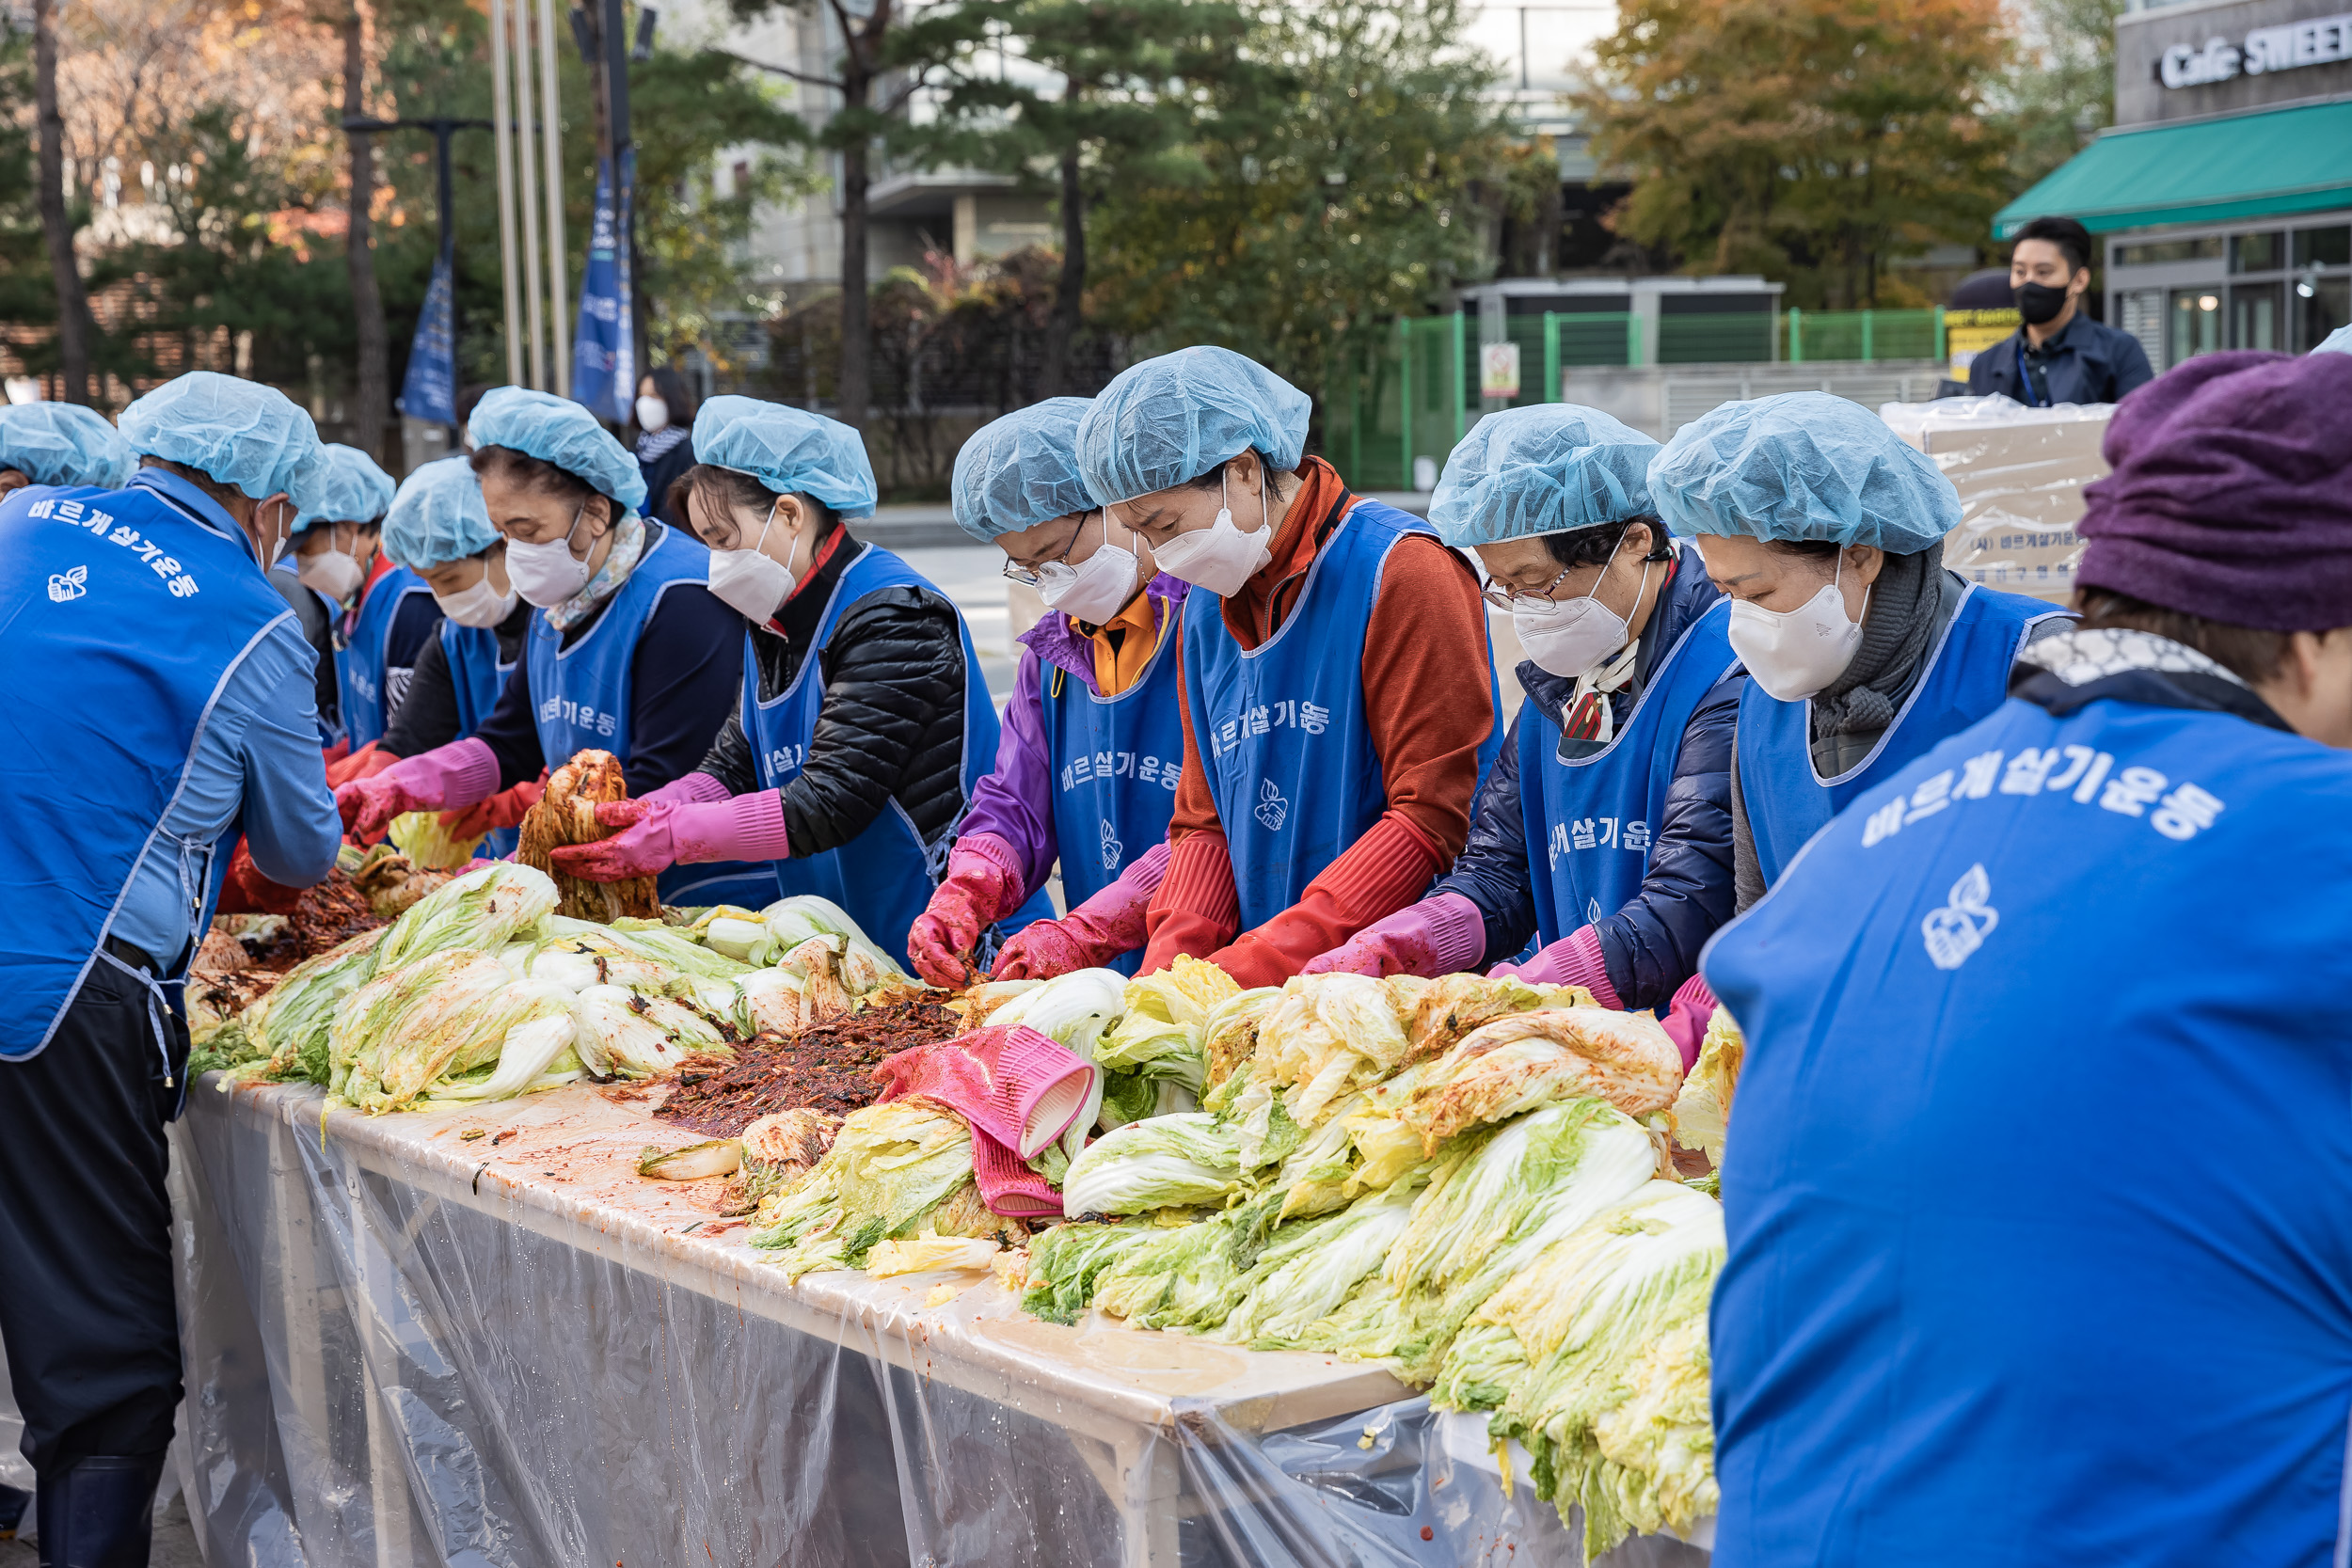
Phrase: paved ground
{"type": "Point", "coordinates": [175, 1543]}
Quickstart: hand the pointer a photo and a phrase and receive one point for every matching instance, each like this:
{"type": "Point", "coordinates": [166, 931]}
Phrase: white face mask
{"type": "Point", "coordinates": [752, 583]}
{"type": "Point", "coordinates": [480, 604]}
{"type": "Point", "coordinates": [1794, 653]}
{"type": "Point", "coordinates": [332, 573]}
{"type": "Point", "coordinates": [1574, 637]}
{"type": "Point", "coordinates": [547, 575]}
{"type": "Point", "coordinates": [1220, 557]}
{"type": "Point", "coordinates": [1096, 589]}
{"type": "Point", "coordinates": [652, 414]}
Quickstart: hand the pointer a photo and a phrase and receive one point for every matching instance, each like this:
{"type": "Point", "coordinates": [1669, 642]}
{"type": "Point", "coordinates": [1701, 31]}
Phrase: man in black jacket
{"type": "Point", "coordinates": [2059, 355]}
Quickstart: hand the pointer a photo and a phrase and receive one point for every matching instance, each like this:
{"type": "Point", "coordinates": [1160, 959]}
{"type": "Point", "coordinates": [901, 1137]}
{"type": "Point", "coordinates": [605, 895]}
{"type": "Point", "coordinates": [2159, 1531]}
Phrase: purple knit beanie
{"type": "Point", "coordinates": [2232, 495]}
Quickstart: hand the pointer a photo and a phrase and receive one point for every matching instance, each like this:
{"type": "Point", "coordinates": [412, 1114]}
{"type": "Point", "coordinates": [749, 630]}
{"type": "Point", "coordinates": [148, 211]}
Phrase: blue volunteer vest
{"type": "Point", "coordinates": [1281, 727]}
{"type": "Point", "coordinates": [360, 660]}
{"type": "Point", "coordinates": [476, 677]}
{"type": "Point", "coordinates": [581, 701]}
{"type": "Point", "coordinates": [1967, 678]}
{"type": "Point", "coordinates": [121, 619]}
{"type": "Point", "coordinates": [884, 877]}
{"type": "Point", "coordinates": [2039, 1250]}
{"type": "Point", "coordinates": [1116, 763]}
{"type": "Point", "coordinates": [1590, 823]}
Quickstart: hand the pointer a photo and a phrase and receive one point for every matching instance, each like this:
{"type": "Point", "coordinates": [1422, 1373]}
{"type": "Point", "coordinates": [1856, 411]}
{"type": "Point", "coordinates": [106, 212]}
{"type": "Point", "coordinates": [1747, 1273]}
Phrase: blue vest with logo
{"type": "Point", "coordinates": [360, 659]}
{"type": "Point", "coordinates": [476, 678]}
{"type": "Point", "coordinates": [581, 699]}
{"type": "Point", "coordinates": [121, 619]}
{"type": "Point", "coordinates": [1967, 678]}
{"type": "Point", "coordinates": [2039, 1250]}
{"type": "Point", "coordinates": [1281, 728]}
{"type": "Point", "coordinates": [884, 877]}
{"type": "Point", "coordinates": [1590, 822]}
{"type": "Point", "coordinates": [1116, 763]}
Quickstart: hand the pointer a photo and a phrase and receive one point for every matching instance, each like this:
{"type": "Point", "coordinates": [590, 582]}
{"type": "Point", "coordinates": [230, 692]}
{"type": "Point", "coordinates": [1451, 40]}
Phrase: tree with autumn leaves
{"type": "Point", "coordinates": [1810, 140]}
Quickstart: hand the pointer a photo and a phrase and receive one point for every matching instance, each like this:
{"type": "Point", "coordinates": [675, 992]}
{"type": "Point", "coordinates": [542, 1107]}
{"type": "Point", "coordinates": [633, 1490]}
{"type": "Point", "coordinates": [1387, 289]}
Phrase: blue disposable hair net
{"type": "Point", "coordinates": [354, 489]}
{"type": "Point", "coordinates": [1803, 466]}
{"type": "Point", "coordinates": [241, 434]}
{"type": "Point", "coordinates": [2338, 341]}
{"type": "Point", "coordinates": [1549, 467]}
{"type": "Point", "coordinates": [791, 451]}
{"type": "Point", "coordinates": [558, 430]}
{"type": "Point", "coordinates": [1173, 419]}
{"type": "Point", "coordinates": [439, 517]}
{"type": "Point", "coordinates": [1021, 470]}
{"type": "Point", "coordinates": [63, 443]}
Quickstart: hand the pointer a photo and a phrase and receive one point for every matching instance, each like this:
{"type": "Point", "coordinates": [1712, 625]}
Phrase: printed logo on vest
{"type": "Point", "coordinates": [65, 587]}
{"type": "Point", "coordinates": [1959, 928]}
{"type": "Point", "coordinates": [1271, 808]}
{"type": "Point", "coordinates": [1111, 847]}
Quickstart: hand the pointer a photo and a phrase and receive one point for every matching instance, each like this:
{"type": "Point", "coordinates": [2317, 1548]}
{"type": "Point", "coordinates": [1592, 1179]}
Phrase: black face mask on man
{"type": "Point", "coordinates": [2039, 303]}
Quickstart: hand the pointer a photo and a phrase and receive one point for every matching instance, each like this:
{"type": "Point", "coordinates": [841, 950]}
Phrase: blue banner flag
{"type": "Point", "coordinates": [604, 350]}
{"type": "Point", "coordinates": [429, 392]}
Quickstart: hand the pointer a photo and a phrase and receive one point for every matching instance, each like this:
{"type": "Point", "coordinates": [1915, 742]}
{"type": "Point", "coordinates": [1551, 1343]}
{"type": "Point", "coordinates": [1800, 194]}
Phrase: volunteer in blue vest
{"type": "Point", "coordinates": [439, 528]}
{"type": "Point", "coordinates": [159, 705]}
{"type": "Point", "coordinates": [1093, 737]}
{"type": "Point", "coordinates": [1604, 830]}
{"type": "Point", "coordinates": [1339, 696]}
{"type": "Point", "coordinates": [60, 443]}
{"type": "Point", "coordinates": [1863, 650]}
{"type": "Point", "coordinates": [387, 614]}
{"type": "Point", "coordinates": [2035, 1187]}
{"type": "Point", "coordinates": [864, 720]}
{"type": "Point", "coordinates": [629, 652]}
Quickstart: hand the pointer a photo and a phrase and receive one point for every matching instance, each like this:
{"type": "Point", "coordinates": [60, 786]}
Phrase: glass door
{"type": "Point", "coordinates": [2196, 324]}
{"type": "Point", "coordinates": [2258, 316]}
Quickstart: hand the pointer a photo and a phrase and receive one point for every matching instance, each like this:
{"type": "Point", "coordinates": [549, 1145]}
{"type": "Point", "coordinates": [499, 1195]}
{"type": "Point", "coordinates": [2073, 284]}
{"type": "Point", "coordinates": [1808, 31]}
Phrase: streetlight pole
{"type": "Point", "coordinates": [445, 271]}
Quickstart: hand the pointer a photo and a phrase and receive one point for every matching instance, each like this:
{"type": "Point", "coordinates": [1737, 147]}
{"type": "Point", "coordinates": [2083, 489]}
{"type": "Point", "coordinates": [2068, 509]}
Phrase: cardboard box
{"type": "Point", "coordinates": [2020, 472]}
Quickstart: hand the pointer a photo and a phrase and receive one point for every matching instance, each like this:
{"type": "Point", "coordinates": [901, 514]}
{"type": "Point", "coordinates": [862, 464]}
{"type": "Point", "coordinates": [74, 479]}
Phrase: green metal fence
{"type": "Point", "coordinates": [1413, 392]}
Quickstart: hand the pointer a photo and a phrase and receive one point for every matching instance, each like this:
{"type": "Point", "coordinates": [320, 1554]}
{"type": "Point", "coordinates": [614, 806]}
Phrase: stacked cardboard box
{"type": "Point", "coordinates": [2020, 472]}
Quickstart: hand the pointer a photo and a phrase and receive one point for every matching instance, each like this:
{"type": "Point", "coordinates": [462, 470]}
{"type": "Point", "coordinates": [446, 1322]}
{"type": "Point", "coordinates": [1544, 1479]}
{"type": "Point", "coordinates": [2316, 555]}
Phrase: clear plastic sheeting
{"type": "Point", "coordinates": [409, 1345]}
{"type": "Point", "coordinates": [2020, 472]}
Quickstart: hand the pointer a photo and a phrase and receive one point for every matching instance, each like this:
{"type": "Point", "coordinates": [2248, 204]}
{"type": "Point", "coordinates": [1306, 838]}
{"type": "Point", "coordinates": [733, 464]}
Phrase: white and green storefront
{"type": "Point", "coordinates": [2223, 194]}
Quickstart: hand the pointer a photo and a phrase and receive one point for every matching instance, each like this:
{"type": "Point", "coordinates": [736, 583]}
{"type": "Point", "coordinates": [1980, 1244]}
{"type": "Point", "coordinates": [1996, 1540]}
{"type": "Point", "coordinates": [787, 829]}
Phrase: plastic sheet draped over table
{"type": "Point", "coordinates": [407, 1346]}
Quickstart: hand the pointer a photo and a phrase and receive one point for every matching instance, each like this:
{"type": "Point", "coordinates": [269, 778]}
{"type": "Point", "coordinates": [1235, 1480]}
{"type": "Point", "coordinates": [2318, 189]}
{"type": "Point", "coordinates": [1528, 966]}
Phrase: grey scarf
{"type": "Point", "coordinates": [1897, 630]}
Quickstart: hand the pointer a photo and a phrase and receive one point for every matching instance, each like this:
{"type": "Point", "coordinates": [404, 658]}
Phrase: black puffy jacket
{"type": "Point", "coordinates": [891, 724]}
{"type": "Point", "coordinates": [1651, 945]}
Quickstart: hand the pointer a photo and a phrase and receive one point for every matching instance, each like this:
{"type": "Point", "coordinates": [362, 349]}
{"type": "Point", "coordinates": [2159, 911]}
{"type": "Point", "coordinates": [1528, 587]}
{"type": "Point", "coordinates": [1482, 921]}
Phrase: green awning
{"type": "Point", "coordinates": [2251, 165]}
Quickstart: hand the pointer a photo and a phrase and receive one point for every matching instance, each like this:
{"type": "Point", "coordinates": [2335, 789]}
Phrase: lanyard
{"type": "Point", "coordinates": [2025, 376]}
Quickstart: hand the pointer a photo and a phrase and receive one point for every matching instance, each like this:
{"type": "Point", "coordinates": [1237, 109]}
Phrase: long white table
{"type": "Point", "coordinates": [410, 1346]}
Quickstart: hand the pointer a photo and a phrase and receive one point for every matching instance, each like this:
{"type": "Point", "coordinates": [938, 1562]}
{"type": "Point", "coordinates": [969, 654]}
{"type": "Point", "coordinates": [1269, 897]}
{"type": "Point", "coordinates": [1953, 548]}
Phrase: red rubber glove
{"type": "Point", "coordinates": [1111, 923]}
{"type": "Point", "coordinates": [369, 760]}
{"type": "Point", "coordinates": [247, 892]}
{"type": "Point", "coordinates": [983, 886]}
{"type": "Point", "coordinates": [506, 809]}
{"type": "Point", "coordinates": [658, 833]}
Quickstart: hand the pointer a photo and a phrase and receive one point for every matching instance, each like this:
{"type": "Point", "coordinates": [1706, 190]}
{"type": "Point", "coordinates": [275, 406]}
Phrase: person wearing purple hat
{"type": "Point", "coordinates": [2038, 1242]}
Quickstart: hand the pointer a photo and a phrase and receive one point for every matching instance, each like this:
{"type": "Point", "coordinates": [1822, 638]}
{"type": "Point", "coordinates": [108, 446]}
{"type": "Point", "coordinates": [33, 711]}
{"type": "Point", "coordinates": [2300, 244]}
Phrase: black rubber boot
{"type": "Point", "coordinates": [100, 1513]}
{"type": "Point", "coordinates": [13, 1505]}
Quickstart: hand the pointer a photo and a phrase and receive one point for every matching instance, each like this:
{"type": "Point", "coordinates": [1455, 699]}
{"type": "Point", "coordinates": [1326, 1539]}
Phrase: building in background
{"type": "Point", "coordinates": [2224, 191]}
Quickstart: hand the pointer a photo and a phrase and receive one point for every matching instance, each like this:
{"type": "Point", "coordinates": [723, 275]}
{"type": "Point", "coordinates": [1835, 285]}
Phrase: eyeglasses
{"type": "Point", "coordinates": [1027, 576]}
{"type": "Point", "coordinates": [1503, 596]}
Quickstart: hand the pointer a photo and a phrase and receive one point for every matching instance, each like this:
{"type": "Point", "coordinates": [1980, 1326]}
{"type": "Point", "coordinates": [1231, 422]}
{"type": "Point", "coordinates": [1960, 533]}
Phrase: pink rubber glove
{"type": "Point", "coordinates": [1091, 935]}
{"type": "Point", "coordinates": [661, 831]}
{"type": "Point", "coordinates": [458, 774]}
{"type": "Point", "coordinates": [1573, 961]}
{"type": "Point", "coordinates": [1686, 1021]}
{"type": "Point", "coordinates": [1440, 935]}
{"type": "Point", "coordinates": [983, 886]}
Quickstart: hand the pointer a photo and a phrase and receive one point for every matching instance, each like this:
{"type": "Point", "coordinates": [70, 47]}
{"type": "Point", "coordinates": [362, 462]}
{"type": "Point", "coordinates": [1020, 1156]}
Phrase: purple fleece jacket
{"type": "Point", "coordinates": [1016, 801]}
